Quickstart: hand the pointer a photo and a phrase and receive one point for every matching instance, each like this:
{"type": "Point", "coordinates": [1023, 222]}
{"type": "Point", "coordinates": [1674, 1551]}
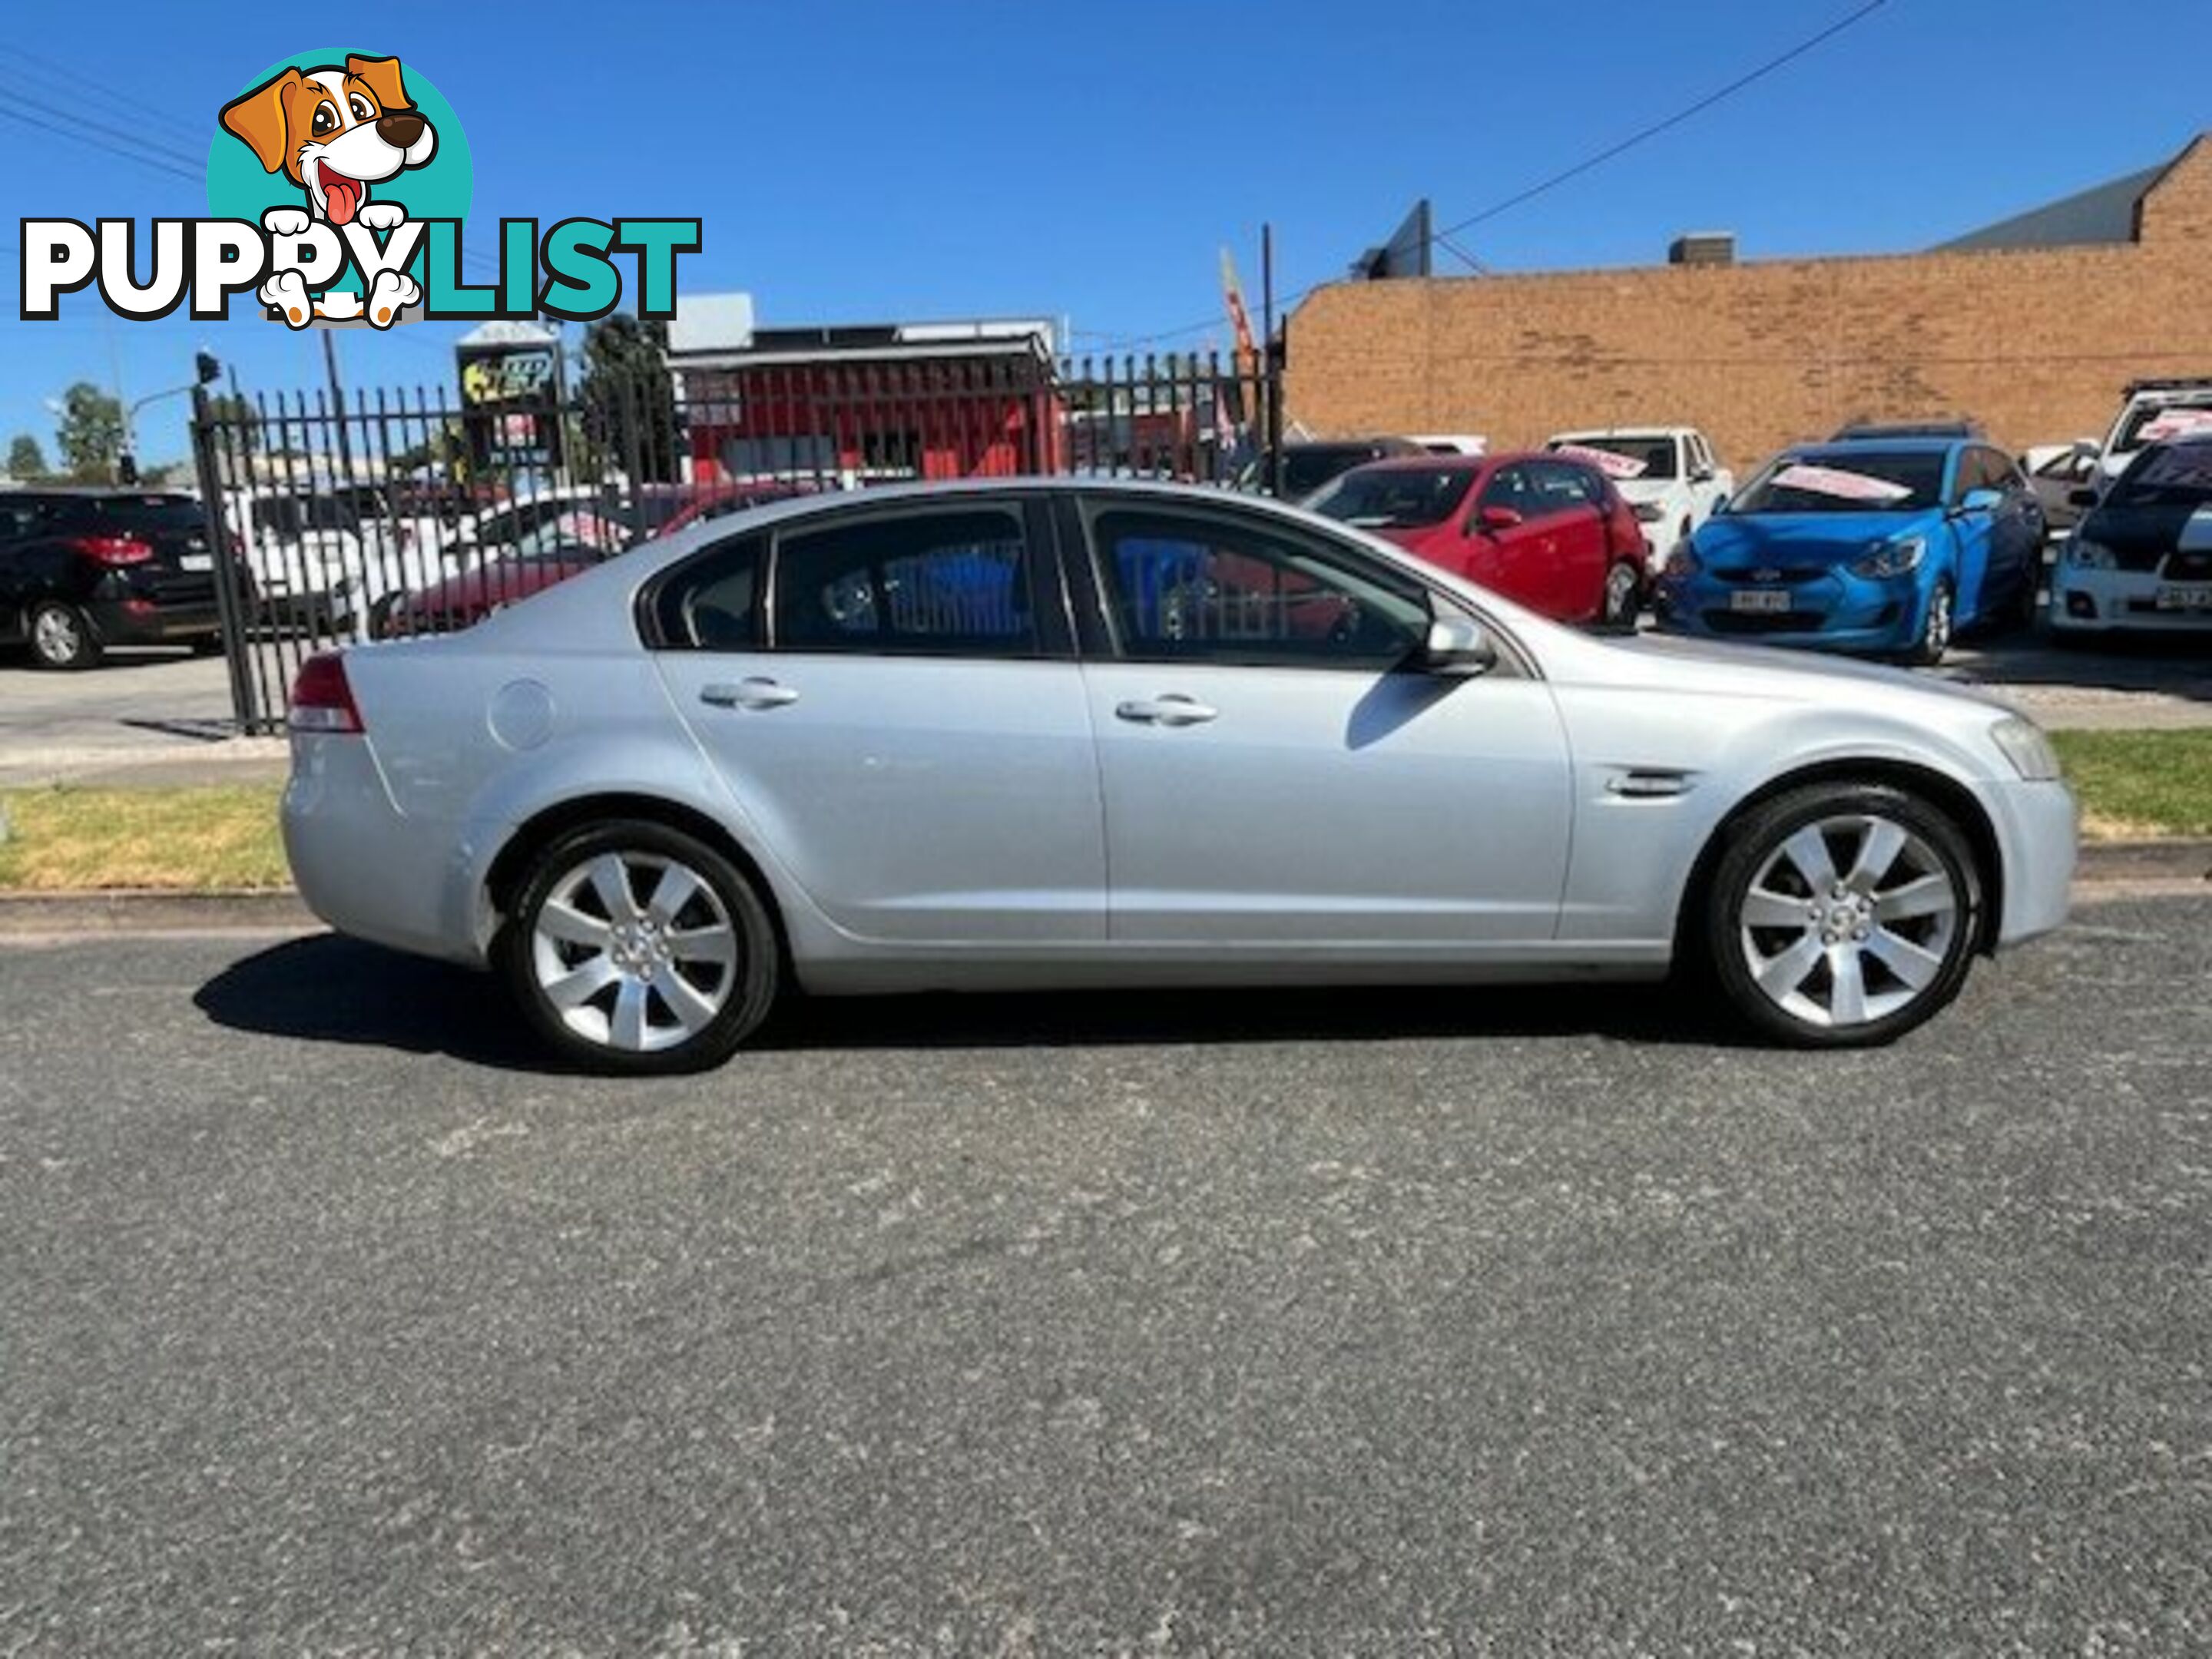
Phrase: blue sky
{"type": "Point", "coordinates": [857, 162]}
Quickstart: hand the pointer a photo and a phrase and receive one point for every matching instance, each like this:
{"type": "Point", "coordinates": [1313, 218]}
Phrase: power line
{"type": "Point", "coordinates": [8, 110]}
{"type": "Point", "coordinates": [1587, 164]}
{"type": "Point", "coordinates": [46, 67]}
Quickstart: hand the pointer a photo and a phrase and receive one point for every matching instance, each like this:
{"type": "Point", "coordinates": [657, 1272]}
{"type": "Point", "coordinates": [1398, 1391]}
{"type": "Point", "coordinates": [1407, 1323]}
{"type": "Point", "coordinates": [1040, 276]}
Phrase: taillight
{"type": "Point", "coordinates": [113, 551]}
{"type": "Point", "coordinates": [322, 699]}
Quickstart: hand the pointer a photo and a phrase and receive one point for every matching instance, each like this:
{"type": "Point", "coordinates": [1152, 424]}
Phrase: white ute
{"type": "Point", "coordinates": [1668, 474]}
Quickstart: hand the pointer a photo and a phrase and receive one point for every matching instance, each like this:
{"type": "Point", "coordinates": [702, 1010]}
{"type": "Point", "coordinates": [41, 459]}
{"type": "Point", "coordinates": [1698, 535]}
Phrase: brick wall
{"type": "Point", "coordinates": [2036, 343]}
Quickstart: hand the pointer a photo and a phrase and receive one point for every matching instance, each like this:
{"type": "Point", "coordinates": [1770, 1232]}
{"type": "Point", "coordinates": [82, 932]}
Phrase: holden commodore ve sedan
{"type": "Point", "coordinates": [1078, 733]}
{"type": "Point", "coordinates": [1884, 547]}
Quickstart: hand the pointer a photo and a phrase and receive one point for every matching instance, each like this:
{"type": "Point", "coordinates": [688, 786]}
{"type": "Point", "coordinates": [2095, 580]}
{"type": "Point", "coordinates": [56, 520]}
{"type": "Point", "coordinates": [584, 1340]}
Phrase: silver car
{"type": "Point", "coordinates": [1055, 733]}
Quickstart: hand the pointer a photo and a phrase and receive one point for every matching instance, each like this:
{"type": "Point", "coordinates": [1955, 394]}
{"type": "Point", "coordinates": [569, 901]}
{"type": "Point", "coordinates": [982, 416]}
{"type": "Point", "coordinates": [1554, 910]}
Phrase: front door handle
{"type": "Point", "coordinates": [754, 693]}
{"type": "Point", "coordinates": [1172, 709]}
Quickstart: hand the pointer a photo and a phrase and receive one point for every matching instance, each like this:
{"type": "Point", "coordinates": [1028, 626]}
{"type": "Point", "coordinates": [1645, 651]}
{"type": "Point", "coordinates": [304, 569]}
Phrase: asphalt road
{"type": "Point", "coordinates": [1479, 1322]}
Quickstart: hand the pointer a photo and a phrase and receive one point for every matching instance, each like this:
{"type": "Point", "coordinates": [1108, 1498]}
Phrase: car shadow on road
{"type": "Point", "coordinates": [2177, 665]}
{"type": "Point", "coordinates": [331, 989]}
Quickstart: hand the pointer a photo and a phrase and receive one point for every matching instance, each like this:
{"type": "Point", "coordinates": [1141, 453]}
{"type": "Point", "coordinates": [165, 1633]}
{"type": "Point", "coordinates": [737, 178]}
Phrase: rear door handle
{"type": "Point", "coordinates": [1171, 708]}
{"type": "Point", "coordinates": [749, 694]}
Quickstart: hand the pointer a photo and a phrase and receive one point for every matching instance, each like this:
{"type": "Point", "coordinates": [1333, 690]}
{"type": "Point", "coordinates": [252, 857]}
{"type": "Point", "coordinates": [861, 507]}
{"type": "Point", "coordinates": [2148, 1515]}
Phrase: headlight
{"type": "Point", "coordinates": [1682, 562]}
{"type": "Point", "coordinates": [1892, 558]}
{"type": "Point", "coordinates": [1649, 511]}
{"type": "Point", "coordinates": [2085, 555]}
{"type": "Point", "coordinates": [2026, 747]}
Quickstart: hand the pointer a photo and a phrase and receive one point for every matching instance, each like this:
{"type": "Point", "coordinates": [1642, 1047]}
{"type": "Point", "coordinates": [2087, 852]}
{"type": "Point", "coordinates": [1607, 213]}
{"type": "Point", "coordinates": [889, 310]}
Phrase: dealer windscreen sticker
{"type": "Point", "coordinates": [1613, 465]}
{"type": "Point", "coordinates": [1836, 481]}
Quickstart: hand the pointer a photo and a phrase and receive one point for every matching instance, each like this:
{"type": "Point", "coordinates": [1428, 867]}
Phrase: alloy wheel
{"type": "Point", "coordinates": [57, 636]}
{"type": "Point", "coordinates": [1848, 920]}
{"type": "Point", "coordinates": [635, 951]}
{"type": "Point", "coordinates": [1935, 637]}
{"type": "Point", "coordinates": [1619, 596]}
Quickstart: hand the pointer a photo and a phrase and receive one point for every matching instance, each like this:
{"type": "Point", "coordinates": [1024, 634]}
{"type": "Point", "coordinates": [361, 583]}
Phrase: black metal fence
{"type": "Point", "coordinates": [411, 510]}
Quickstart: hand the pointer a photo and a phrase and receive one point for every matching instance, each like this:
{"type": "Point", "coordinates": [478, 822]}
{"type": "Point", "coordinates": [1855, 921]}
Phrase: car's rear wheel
{"type": "Point", "coordinates": [634, 947]}
{"type": "Point", "coordinates": [62, 636]}
{"type": "Point", "coordinates": [1843, 915]}
{"type": "Point", "coordinates": [1622, 588]}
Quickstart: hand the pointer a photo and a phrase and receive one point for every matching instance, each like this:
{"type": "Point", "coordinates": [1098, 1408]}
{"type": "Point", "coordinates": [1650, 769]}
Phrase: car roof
{"type": "Point", "coordinates": [1846, 447]}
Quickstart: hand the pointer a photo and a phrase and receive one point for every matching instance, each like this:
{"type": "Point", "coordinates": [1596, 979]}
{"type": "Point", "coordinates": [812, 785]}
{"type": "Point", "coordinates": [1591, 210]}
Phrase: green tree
{"type": "Point", "coordinates": [626, 400]}
{"type": "Point", "coordinates": [90, 434]}
{"type": "Point", "coordinates": [24, 459]}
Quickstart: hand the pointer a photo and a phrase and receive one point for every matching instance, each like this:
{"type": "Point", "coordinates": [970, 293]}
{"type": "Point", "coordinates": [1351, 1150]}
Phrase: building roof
{"type": "Point", "coordinates": [2103, 213]}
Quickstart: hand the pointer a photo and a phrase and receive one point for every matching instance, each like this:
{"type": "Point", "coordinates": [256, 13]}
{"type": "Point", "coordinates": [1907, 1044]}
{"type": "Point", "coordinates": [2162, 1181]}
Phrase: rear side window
{"type": "Point", "coordinates": [951, 583]}
{"type": "Point", "coordinates": [149, 514]}
{"type": "Point", "coordinates": [712, 603]}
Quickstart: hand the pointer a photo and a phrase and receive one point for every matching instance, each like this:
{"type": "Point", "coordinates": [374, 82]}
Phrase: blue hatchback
{"type": "Point", "coordinates": [1887, 547]}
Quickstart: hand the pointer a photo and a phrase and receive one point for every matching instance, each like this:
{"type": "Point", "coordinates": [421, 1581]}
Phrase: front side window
{"type": "Point", "coordinates": [1563, 488]}
{"type": "Point", "coordinates": [951, 583]}
{"type": "Point", "coordinates": [1187, 587]}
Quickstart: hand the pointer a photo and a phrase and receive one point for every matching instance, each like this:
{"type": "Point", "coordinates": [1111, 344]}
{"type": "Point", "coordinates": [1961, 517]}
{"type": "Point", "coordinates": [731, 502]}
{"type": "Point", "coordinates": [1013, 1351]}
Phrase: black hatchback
{"type": "Point", "coordinates": [84, 569]}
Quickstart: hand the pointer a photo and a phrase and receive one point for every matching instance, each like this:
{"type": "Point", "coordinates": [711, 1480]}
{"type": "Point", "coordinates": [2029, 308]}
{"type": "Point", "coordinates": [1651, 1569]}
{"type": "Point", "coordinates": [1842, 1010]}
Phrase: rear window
{"type": "Point", "coordinates": [1394, 498]}
{"type": "Point", "coordinates": [138, 515]}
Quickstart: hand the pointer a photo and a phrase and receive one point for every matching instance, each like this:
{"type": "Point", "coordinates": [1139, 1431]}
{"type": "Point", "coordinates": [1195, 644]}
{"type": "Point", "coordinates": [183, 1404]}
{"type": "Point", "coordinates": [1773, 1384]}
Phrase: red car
{"type": "Point", "coordinates": [1545, 532]}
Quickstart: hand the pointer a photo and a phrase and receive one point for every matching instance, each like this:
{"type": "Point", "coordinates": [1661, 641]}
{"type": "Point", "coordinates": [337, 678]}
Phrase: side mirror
{"type": "Point", "coordinates": [2084, 497]}
{"type": "Point", "coordinates": [1702, 474]}
{"type": "Point", "coordinates": [1457, 645]}
{"type": "Point", "coordinates": [1497, 518]}
{"type": "Point", "coordinates": [1980, 501]}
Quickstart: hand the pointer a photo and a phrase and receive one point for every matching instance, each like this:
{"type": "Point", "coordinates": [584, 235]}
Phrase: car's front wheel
{"type": "Point", "coordinates": [1842, 915]}
{"type": "Point", "coordinates": [634, 947]}
{"type": "Point", "coordinates": [1623, 588]}
{"type": "Point", "coordinates": [1938, 624]}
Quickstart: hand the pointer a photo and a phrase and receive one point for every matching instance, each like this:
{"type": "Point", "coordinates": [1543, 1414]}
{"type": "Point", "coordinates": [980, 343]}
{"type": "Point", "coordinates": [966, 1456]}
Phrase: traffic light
{"type": "Point", "coordinates": [209, 369]}
{"type": "Point", "coordinates": [126, 469]}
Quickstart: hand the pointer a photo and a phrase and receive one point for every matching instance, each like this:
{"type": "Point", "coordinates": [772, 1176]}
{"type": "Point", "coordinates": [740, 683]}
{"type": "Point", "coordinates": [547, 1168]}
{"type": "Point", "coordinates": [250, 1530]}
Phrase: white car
{"type": "Point", "coordinates": [1667, 474]}
{"type": "Point", "coordinates": [1451, 443]}
{"type": "Point", "coordinates": [2142, 559]}
{"type": "Point", "coordinates": [2152, 411]}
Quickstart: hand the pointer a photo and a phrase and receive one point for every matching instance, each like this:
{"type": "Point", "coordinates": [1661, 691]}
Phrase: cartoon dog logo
{"type": "Point", "coordinates": [335, 132]}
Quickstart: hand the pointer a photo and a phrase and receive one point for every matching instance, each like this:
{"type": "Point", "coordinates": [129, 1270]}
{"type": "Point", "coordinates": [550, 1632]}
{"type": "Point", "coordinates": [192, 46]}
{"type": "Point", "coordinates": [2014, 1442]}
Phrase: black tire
{"type": "Point", "coordinates": [1939, 625]}
{"type": "Point", "coordinates": [1622, 599]}
{"type": "Point", "coordinates": [62, 637]}
{"type": "Point", "coordinates": [756, 975]}
{"type": "Point", "coordinates": [1725, 938]}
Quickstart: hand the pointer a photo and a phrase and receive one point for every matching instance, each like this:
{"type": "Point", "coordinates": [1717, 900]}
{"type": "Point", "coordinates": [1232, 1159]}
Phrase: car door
{"type": "Point", "coordinates": [1579, 549]}
{"type": "Point", "coordinates": [2017, 535]}
{"type": "Point", "coordinates": [1509, 544]}
{"type": "Point", "coordinates": [1278, 773]}
{"type": "Point", "coordinates": [19, 519]}
{"type": "Point", "coordinates": [898, 710]}
{"type": "Point", "coordinates": [1971, 534]}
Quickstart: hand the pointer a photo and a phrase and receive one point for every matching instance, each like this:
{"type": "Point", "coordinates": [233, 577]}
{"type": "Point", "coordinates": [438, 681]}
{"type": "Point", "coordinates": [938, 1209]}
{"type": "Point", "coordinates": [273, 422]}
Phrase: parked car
{"type": "Point", "coordinates": [1450, 443]}
{"type": "Point", "coordinates": [1881, 548]}
{"type": "Point", "coordinates": [82, 570]}
{"type": "Point", "coordinates": [1309, 463]}
{"type": "Point", "coordinates": [2142, 558]}
{"type": "Point", "coordinates": [697, 503]}
{"type": "Point", "coordinates": [739, 760]}
{"type": "Point", "coordinates": [1546, 532]}
{"type": "Point", "coordinates": [2058, 473]}
{"type": "Point", "coordinates": [2152, 411]}
{"type": "Point", "coordinates": [1668, 474]}
{"type": "Point", "coordinates": [1884, 431]}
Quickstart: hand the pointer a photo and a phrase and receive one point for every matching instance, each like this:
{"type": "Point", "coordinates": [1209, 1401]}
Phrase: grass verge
{"type": "Point", "coordinates": [2132, 784]}
{"type": "Point", "coordinates": [2139, 783]}
{"type": "Point", "coordinates": [71, 840]}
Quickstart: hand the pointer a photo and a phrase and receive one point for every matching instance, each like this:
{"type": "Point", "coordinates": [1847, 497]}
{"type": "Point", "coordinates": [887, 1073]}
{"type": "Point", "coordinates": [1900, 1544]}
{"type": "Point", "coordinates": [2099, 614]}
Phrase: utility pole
{"type": "Point", "coordinates": [338, 402]}
{"type": "Point", "coordinates": [1275, 361]}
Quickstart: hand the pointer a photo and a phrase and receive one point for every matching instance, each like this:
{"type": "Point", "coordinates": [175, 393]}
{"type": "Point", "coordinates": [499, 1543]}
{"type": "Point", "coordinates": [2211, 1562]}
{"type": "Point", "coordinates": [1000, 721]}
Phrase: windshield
{"type": "Point", "coordinates": [1306, 469]}
{"type": "Point", "coordinates": [1394, 498]}
{"type": "Point", "coordinates": [1869, 481]}
{"type": "Point", "coordinates": [1653, 451]}
{"type": "Point", "coordinates": [2172, 475]}
{"type": "Point", "coordinates": [2147, 424]}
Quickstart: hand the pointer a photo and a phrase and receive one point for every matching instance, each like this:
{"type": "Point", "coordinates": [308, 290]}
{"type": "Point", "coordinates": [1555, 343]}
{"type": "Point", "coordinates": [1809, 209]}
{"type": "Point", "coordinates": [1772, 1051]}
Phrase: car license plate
{"type": "Point", "coordinates": [1765, 600]}
{"type": "Point", "coordinates": [2184, 596]}
{"type": "Point", "coordinates": [197, 562]}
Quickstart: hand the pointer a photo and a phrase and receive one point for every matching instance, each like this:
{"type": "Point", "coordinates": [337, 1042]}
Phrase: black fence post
{"type": "Point", "coordinates": [227, 592]}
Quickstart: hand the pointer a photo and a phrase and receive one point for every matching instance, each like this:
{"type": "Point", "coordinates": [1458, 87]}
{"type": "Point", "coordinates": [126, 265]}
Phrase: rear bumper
{"type": "Point", "coordinates": [365, 867]}
{"type": "Point", "coordinates": [146, 622]}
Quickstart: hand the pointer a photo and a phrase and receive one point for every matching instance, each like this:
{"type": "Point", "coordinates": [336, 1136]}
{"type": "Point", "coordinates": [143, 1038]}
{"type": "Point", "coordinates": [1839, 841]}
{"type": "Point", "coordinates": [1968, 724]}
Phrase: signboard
{"type": "Point", "coordinates": [511, 397]}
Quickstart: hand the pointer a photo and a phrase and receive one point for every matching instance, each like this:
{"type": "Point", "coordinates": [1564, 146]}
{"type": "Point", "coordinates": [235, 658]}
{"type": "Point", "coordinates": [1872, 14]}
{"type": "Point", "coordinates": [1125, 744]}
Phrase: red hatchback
{"type": "Point", "coordinates": [1545, 532]}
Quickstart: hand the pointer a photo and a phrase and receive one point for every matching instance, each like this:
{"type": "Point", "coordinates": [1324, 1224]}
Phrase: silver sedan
{"type": "Point", "coordinates": [1041, 733]}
